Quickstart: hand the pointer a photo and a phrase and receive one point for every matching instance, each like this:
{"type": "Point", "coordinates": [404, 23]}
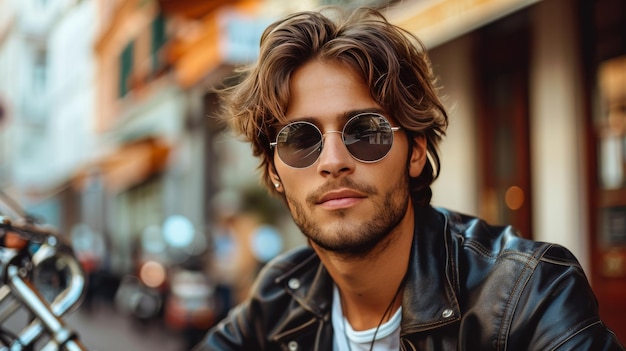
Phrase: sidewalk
{"type": "Point", "coordinates": [102, 329]}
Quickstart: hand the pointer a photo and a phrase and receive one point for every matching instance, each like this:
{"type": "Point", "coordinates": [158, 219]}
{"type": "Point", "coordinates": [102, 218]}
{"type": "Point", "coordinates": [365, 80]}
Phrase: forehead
{"type": "Point", "coordinates": [327, 90]}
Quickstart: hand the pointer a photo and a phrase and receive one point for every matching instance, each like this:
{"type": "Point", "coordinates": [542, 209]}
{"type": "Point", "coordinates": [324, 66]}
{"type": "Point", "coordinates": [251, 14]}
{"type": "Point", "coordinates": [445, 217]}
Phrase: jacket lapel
{"type": "Point", "coordinates": [307, 322]}
{"type": "Point", "coordinates": [432, 279]}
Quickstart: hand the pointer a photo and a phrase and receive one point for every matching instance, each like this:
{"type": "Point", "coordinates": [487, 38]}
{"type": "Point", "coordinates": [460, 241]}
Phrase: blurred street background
{"type": "Point", "coordinates": [108, 134]}
{"type": "Point", "coordinates": [108, 330]}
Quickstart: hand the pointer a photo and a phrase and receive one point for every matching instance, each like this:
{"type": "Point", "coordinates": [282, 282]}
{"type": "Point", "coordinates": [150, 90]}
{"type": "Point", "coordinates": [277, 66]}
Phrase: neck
{"type": "Point", "coordinates": [368, 284]}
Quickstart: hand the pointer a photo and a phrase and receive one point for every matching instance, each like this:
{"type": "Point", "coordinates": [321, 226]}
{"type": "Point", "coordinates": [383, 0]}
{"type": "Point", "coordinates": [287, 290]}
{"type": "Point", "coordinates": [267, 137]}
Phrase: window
{"type": "Point", "coordinates": [159, 38]}
{"type": "Point", "coordinates": [39, 72]}
{"type": "Point", "coordinates": [126, 69]}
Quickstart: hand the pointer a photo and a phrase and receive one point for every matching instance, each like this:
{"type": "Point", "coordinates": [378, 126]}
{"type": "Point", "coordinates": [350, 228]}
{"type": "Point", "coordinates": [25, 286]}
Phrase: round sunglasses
{"type": "Point", "coordinates": [367, 136]}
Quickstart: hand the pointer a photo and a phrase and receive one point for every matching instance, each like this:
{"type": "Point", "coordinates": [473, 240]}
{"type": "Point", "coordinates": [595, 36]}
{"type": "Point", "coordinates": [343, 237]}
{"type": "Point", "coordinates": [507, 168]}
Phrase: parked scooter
{"type": "Point", "coordinates": [40, 281]}
{"type": "Point", "coordinates": [141, 296]}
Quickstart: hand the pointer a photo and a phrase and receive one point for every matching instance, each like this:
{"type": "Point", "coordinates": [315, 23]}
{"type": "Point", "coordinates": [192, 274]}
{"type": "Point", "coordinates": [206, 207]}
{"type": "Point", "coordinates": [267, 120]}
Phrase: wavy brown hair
{"type": "Point", "coordinates": [392, 61]}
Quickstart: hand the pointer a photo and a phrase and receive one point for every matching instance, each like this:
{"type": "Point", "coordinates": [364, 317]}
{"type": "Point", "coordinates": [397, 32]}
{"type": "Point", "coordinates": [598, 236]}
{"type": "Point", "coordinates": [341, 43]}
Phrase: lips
{"type": "Point", "coordinates": [339, 195]}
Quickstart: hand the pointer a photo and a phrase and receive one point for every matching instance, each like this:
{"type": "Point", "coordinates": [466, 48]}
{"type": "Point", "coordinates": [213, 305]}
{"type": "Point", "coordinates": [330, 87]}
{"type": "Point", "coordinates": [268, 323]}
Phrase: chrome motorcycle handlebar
{"type": "Point", "coordinates": [18, 266]}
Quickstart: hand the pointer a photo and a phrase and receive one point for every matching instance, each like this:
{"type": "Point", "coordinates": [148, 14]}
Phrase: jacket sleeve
{"type": "Point", "coordinates": [558, 310]}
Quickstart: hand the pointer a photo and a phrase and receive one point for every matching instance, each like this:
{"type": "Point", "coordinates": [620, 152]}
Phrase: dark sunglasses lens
{"type": "Point", "coordinates": [368, 137]}
{"type": "Point", "coordinates": [299, 144]}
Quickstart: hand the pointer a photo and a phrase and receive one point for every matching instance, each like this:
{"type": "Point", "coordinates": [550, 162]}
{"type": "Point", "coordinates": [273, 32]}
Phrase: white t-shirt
{"type": "Point", "coordinates": [387, 337]}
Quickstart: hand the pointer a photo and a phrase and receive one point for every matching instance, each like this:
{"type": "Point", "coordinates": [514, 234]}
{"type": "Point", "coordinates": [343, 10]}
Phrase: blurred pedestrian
{"type": "Point", "coordinates": [244, 242]}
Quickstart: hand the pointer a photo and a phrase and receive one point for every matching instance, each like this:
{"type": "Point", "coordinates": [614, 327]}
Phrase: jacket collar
{"type": "Point", "coordinates": [431, 285]}
{"type": "Point", "coordinates": [309, 284]}
{"type": "Point", "coordinates": [432, 280]}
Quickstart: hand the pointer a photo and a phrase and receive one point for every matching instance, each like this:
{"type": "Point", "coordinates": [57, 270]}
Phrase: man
{"type": "Point", "coordinates": [345, 118]}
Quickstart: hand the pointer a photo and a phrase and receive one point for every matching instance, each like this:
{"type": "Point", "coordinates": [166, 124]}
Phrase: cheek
{"type": "Point", "coordinates": [295, 189]}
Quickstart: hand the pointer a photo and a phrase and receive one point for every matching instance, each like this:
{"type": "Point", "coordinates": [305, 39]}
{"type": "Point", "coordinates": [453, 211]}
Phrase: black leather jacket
{"type": "Point", "coordinates": [470, 286]}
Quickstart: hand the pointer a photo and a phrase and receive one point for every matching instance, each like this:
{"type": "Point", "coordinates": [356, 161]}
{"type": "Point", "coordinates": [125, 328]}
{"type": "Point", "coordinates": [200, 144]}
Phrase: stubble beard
{"type": "Point", "coordinates": [346, 237]}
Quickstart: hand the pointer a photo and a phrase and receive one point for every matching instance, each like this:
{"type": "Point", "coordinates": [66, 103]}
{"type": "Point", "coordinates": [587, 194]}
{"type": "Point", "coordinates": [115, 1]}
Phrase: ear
{"type": "Point", "coordinates": [419, 156]}
{"type": "Point", "coordinates": [275, 178]}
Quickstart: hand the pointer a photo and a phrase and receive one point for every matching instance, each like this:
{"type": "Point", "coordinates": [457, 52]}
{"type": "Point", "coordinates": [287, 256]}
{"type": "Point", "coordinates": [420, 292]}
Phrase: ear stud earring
{"type": "Point", "coordinates": [276, 185]}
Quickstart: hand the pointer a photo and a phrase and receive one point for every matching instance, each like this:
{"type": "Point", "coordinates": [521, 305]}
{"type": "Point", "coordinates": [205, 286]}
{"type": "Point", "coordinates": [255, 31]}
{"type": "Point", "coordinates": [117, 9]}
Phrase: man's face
{"type": "Point", "coordinates": [341, 204]}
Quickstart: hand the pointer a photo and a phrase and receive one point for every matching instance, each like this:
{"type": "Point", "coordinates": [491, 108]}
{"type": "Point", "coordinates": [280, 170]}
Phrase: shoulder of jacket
{"type": "Point", "coordinates": [560, 255]}
{"type": "Point", "coordinates": [471, 228]}
{"type": "Point", "coordinates": [496, 240]}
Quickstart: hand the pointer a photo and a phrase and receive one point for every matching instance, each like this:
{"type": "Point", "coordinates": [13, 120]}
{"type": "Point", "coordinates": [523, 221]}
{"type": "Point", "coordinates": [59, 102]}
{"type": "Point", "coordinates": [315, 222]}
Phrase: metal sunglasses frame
{"type": "Point", "coordinates": [274, 144]}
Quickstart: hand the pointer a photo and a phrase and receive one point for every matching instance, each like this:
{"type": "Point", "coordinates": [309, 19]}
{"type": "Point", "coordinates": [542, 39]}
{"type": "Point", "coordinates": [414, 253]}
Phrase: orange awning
{"type": "Point", "coordinates": [129, 165]}
{"type": "Point", "coordinates": [198, 52]}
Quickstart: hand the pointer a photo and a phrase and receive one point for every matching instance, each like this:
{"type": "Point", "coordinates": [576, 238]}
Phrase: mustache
{"type": "Point", "coordinates": [366, 189]}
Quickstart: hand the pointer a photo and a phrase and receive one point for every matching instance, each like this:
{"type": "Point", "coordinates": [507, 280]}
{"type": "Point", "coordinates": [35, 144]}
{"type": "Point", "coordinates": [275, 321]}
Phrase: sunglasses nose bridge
{"type": "Point", "coordinates": [335, 148]}
{"type": "Point", "coordinates": [330, 132]}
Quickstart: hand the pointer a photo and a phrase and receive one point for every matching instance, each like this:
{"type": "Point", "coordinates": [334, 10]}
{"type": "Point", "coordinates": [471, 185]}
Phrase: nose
{"type": "Point", "coordinates": [335, 159]}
